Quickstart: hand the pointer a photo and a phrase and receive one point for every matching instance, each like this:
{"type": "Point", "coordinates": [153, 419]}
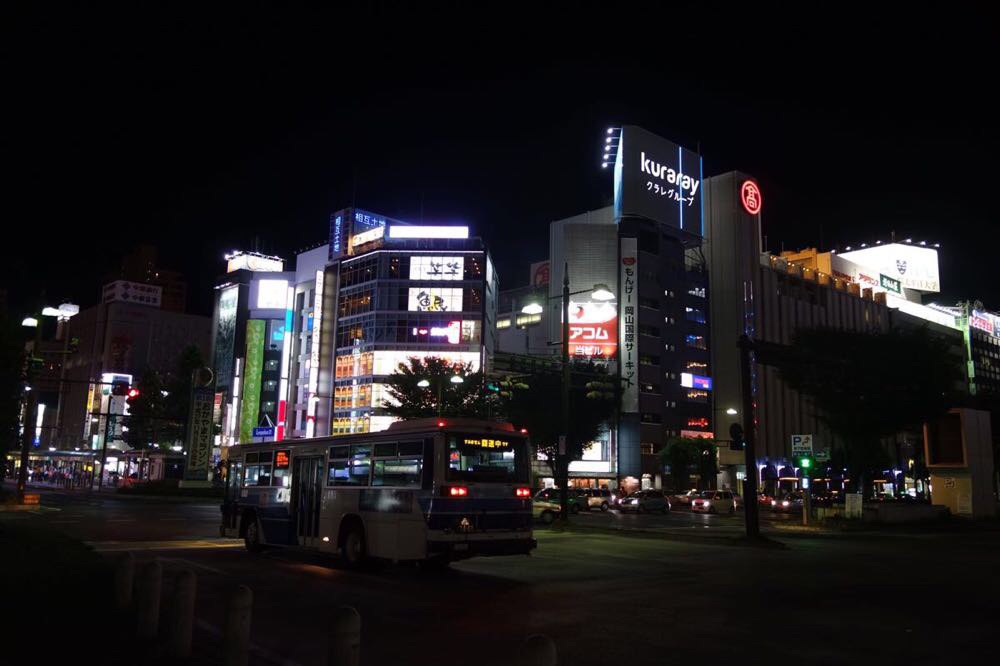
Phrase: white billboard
{"type": "Point", "coordinates": [272, 294]}
{"type": "Point", "coordinates": [913, 266]}
{"type": "Point", "coordinates": [386, 362]}
{"type": "Point", "coordinates": [435, 299]}
{"type": "Point", "coordinates": [437, 268]}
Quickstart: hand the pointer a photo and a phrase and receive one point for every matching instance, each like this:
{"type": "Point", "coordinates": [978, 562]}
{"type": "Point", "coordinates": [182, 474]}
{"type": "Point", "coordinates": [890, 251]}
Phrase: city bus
{"type": "Point", "coordinates": [431, 490]}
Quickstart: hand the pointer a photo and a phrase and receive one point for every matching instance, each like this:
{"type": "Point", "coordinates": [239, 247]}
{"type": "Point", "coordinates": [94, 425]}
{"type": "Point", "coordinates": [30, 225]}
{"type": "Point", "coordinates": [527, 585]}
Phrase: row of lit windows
{"type": "Point", "coordinates": [427, 329]}
{"type": "Point", "coordinates": [398, 267]}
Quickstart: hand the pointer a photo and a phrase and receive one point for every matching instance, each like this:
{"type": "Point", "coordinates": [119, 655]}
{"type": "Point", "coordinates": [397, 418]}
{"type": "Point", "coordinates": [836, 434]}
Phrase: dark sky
{"type": "Point", "coordinates": [202, 132]}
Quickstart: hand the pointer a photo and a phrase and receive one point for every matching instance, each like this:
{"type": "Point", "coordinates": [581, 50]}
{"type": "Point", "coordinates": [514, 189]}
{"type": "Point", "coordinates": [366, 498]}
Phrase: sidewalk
{"type": "Point", "coordinates": [110, 492]}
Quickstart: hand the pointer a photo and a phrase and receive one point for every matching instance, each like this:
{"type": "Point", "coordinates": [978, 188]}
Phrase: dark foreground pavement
{"type": "Point", "coordinates": [602, 597]}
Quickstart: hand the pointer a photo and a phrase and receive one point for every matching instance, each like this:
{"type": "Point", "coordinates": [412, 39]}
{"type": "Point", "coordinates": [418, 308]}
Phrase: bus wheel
{"type": "Point", "coordinates": [352, 547]}
{"type": "Point", "coordinates": [251, 536]}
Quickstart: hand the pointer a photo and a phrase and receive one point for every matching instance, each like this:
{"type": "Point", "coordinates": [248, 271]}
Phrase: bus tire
{"type": "Point", "coordinates": [251, 533]}
{"type": "Point", "coordinates": [353, 549]}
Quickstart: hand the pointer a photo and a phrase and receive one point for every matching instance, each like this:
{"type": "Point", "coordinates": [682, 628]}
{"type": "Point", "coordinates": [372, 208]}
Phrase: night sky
{"type": "Point", "coordinates": [203, 133]}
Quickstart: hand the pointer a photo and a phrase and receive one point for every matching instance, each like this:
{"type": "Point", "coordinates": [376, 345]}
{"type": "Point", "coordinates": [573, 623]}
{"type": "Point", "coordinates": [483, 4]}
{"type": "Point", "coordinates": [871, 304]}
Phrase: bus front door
{"type": "Point", "coordinates": [307, 495]}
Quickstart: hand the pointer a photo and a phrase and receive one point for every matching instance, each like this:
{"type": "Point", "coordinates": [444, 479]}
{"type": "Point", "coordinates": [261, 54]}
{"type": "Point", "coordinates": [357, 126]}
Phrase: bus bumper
{"type": "Point", "coordinates": [459, 549]}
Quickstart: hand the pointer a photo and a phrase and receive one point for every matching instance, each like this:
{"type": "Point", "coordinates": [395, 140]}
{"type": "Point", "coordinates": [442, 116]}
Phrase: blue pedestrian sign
{"type": "Point", "coordinates": [263, 432]}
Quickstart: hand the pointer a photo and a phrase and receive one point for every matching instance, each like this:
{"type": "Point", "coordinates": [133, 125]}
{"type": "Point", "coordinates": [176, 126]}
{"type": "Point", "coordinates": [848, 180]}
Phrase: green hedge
{"type": "Point", "coordinates": [169, 488]}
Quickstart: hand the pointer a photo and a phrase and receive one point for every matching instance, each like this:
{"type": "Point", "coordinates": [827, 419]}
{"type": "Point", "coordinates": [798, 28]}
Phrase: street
{"type": "Point", "coordinates": [602, 597]}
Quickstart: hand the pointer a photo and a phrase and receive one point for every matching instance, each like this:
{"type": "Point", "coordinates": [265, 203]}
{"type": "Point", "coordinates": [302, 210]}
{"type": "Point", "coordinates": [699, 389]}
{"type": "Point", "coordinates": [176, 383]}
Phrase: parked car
{"type": "Point", "coordinates": [573, 500]}
{"type": "Point", "coordinates": [714, 501]}
{"type": "Point", "coordinates": [645, 501]}
{"type": "Point", "coordinates": [597, 498]}
{"type": "Point", "coordinates": [764, 500]}
{"type": "Point", "coordinates": [545, 511]}
{"type": "Point", "coordinates": [684, 498]}
{"type": "Point", "coordinates": [787, 503]}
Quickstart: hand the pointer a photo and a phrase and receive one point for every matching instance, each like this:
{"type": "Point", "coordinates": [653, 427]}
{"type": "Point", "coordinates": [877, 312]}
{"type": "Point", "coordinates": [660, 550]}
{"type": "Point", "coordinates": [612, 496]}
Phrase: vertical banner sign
{"type": "Point", "coordinates": [225, 336]}
{"type": "Point", "coordinates": [200, 433]}
{"type": "Point", "coordinates": [628, 348]}
{"type": "Point", "coordinates": [251, 379]}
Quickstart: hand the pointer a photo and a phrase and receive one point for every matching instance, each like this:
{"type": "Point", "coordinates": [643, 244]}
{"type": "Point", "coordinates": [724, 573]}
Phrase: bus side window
{"type": "Point", "coordinates": [428, 471]}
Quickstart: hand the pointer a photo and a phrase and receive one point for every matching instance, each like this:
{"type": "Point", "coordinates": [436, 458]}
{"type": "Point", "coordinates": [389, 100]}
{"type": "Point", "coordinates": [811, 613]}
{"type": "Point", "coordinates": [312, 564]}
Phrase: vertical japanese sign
{"type": "Point", "coordinates": [200, 433]}
{"type": "Point", "coordinates": [628, 349]}
{"type": "Point", "coordinates": [225, 336]}
{"type": "Point", "coordinates": [251, 379]}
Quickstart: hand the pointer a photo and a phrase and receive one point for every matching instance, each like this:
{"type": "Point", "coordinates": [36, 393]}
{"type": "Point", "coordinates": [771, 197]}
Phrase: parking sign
{"type": "Point", "coordinates": [802, 445]}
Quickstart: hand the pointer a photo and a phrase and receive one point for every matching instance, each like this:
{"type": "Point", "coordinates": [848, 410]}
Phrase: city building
{"type": "Point", "coordinates": [141, 265]}
{"type": "Point", "coordinates": [116, 341]}
{"type": "Point", "coordinates": [391, 291]}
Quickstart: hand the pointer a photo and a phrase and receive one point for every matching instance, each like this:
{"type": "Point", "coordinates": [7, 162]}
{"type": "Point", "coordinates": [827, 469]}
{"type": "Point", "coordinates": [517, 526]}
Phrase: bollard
{"type": "Point", "coordinates": [124, 576]}
{"type": "Point", "coordinates": [345, 638]}
{"type": "Point", "coordinates": [538, 650]}
{"type": "Point", "coordinates": [147, 600]}
{"type": "Point", "coordinates": [236, 641]}
{"type": "Point", "coordinates": [181, 621]}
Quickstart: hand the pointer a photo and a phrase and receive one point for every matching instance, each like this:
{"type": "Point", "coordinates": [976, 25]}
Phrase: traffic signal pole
{"type": "Point", "coordinates": [563, 450]}
{"type": "Point", "coordinates": [30, 410]}
{"type": "Point", "coordinates": [750, 506]}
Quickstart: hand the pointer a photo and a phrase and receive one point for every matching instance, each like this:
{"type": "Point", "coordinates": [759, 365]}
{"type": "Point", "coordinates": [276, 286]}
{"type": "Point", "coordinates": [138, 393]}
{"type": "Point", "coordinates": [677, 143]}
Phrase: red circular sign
{"type": "Point", "coordinates": [750, 196]}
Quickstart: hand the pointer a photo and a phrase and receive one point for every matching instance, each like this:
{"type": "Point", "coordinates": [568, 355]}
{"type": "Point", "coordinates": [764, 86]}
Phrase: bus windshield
{"type": "Point", "coordinates": [478, 457]}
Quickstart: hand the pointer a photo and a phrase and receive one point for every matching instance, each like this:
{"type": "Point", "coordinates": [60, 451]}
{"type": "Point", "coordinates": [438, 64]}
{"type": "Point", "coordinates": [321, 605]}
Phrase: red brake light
{"type": "Point", "coordinates": [523, 492]}
{"type": "Point", "coordinates": [524, 431]}
{"type": "Point", "coordinates": [458, 491]}
{"type": "Point", "coordinates": [440, 424]}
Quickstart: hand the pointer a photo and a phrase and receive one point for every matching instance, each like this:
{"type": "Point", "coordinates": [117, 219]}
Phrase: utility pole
{"type": "Point", "coordinates": [563, 452]}
{"type": "Point", "coordinates": [750, 507]}
{"type": "Point", "coordinates": [30, 409]}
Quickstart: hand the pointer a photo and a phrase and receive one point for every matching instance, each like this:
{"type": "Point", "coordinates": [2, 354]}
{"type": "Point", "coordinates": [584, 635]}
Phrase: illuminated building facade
{"type": "Point", "coordinates": [391, 291]}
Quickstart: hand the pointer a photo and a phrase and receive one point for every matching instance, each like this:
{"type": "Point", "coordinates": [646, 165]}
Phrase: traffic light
{"type": "Point", "coordinates": [737, 440]}
{"type": "Point", "coordinates": [133, 393]}
{"type": "Point", "coordinates": [805, 463]}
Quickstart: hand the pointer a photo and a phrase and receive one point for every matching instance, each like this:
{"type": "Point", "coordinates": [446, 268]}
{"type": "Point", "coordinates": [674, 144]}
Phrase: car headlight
{"type": "Point", "coordinates": [785, 503]}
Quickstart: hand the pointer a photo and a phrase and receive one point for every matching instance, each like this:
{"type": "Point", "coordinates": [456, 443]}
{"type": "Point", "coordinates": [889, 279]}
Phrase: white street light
{"type": "Point", "coordinates": [30, 322]}
{"type": "Point", "coordinates": [532, 309]}
{"type": "Point", "coordinates": [602, 293]}
{"type": "Point", "coordinates": [731, 411]}
{"type": "Point", "coordinates": [423, 383]}
{"type": "Point", "coordinates": [457, 379]}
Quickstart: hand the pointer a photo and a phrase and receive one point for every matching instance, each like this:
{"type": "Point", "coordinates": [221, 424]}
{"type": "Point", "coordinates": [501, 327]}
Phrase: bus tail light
{"type": "Point", "coordinates": [523, 492]}
{"type": "Point", "coordinates": [457, 491]}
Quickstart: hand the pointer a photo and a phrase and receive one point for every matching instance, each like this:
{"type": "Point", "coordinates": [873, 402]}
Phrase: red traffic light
{"type": "Point", "coordinates": [133, 393]}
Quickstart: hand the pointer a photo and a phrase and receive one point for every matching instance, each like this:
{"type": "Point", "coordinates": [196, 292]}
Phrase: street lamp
{"type": "Point", "coordinates": [425, 383]}
{"type": "Point", "coordinates": [63, 313]}
{"type": "Point", "coordinates": [600, 292]}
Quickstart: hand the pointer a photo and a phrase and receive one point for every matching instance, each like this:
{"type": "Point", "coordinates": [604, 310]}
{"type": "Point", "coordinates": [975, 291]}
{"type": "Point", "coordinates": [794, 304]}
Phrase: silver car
{"type": "Point", "coordinates": [645, 501]}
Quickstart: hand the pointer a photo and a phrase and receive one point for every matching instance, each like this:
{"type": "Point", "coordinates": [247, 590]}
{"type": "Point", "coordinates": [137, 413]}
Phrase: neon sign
{"type": "Point", "coordinates": [750, 197]}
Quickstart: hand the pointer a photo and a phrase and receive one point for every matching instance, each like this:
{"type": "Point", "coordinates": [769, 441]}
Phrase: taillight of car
{"type": "Point", "coordinates": [523, 492]}
{"type": "Point", "coordinates": [457, 491]}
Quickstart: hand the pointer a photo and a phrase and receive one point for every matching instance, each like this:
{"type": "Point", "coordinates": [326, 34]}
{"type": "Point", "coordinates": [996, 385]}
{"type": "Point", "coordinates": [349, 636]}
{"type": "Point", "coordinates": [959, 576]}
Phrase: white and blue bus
{"type": "Point", "coordinates": [432, 490]}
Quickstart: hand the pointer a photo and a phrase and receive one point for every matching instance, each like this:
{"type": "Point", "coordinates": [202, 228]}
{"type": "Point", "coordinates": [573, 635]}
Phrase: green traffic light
{"type": "Point", "coordinates": [806, 463]}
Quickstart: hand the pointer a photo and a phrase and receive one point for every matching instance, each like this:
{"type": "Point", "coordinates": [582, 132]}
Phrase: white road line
{"type": "Point", "coordinates": [179, 544]}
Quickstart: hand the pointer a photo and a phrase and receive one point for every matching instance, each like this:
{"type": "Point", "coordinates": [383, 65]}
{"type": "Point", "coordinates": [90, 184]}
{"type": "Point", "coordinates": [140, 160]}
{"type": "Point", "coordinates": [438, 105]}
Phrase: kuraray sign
{"type": "Point", "coordinates": [664, 172]}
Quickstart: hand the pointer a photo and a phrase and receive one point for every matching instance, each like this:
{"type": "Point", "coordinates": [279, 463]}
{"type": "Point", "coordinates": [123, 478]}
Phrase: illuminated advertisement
{"type": "Point", "coordinates": [451, 333]}
{"type": "Point", "coordinates": [225, 336]}
{"type": "Point", "coordinates": [539, 273]}
{"type": "Point", "coordinates": [387, 362]}
{"type": "Point", "coordinates": [435, 299]}
{"type": "Point", "coordinates": [415, 231]}
{"type": "Point", "coordinates": [689, 380]}
{"type": "Point", "coordinates": [593, 329]}
{"type": "Point", "coordinates": [750, 197]}
{"type": "Point", "coordinates": [913, 266]}
{"type": "Point", "coordinates": [272, 294]}
{"type": "Point", "coordinates": [628, 352]}
{"type": "Point", "coordinates": [251, 380]}
{"type": "Point", "coordinates": [252, 262]}
{"type": "Point", "coordinates": [336, 234]}
{"type": "Point", "coordinates": [437, 268]}
{"type": "Point", "coordinates": [983, 321]}
{"type": "Point", "coordinates": [367, 236]}
{"type": "Point", "coordinates": [697, 434]}
{"type": "Point", "coordinates": [658, 180]}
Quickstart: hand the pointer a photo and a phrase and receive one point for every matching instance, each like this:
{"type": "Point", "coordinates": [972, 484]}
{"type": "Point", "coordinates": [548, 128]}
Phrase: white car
{"type": "Point", "coordinates": [714, 501]}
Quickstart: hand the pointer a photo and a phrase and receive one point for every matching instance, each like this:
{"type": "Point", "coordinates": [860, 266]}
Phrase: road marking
{"type": "Point", "coordinates": [165, 519]}
{"type": "Point", "coordinates": [179, 544]}
{"type": "Point", "coordinates": [192, 563]}
{"type": "Point", "coordinates": [63, 522]}
{"type": "Point", "coordinates": [121, 520]}
{"type": "Point", "coordinates": [260, 652]}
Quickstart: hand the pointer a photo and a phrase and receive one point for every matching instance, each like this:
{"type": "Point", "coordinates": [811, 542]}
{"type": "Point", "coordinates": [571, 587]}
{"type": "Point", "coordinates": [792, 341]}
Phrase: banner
{"type": "Point", "coordinates": [628, 350]}
{"type": "Point", "coordinates": [200, 434]}
{"type": "Point", "coordinates": [251, 379]}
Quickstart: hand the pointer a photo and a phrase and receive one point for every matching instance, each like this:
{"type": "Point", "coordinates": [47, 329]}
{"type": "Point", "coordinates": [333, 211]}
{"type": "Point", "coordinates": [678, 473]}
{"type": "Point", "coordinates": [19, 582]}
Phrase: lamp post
{"type": "Point", "coordinates": [600, 292]}
{"type": "Point", "coordinates": [424, 383]}
{"type": "Point", "coordinates": [64, 311]}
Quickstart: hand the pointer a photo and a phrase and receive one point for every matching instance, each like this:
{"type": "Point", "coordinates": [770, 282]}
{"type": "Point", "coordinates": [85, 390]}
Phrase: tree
{"type": "Point", "coordinates": [408, 400]}
{"type": "Point", "coordinates": [868, 387]}
{"type": "Point", "coordinates": [686, 453]}
{"type": "Point", "coordinates": [537, 406]}
{"type": "Point", "coordinates": [147, 419]}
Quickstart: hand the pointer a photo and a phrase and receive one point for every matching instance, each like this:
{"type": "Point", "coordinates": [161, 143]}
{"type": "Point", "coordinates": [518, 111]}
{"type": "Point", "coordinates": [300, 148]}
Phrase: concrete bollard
{"type": "Point", "coordinates": [345, 638]}
{"type": "Point", "coordinates": [538, 650]}
{"type": "Point", "coordinates": [180, 624]}
{"type": "Point", "coordinates": [147, 600]}
{"type": "Point", "coordinates": [236, 640]}
{"type": "Point", "coordinates": [124, 577]}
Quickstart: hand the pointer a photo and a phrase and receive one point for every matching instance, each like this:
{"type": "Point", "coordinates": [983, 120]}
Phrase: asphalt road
{"type": "Point", "coordinates": [602, 597]}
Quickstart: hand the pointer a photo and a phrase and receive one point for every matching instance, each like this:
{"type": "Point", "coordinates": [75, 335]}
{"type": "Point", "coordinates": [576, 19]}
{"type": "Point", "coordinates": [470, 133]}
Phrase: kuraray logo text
{"type": "Point", "coordinates": [672, 176]}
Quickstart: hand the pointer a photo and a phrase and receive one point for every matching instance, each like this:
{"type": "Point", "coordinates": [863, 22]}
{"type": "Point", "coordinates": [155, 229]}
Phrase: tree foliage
{"type": "Point", "coordinates": [687, 454]}
{"type": "Point", "coordinates": [158, 418]}
{"type": "Point", "coordinates": [868, 387]}
{"type": "Point", "coordinates": [410, 401]}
